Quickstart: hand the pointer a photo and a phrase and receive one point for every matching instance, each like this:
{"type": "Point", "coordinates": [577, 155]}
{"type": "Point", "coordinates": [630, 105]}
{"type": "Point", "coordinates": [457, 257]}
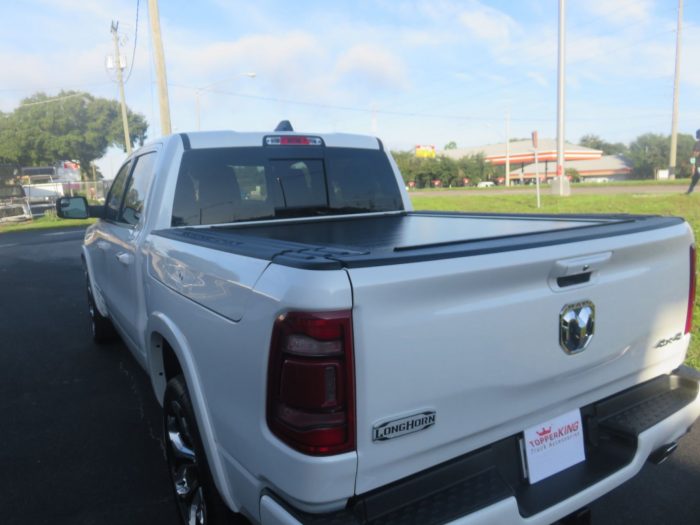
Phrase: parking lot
{"type": "Point", "coordinates": [81, 429]}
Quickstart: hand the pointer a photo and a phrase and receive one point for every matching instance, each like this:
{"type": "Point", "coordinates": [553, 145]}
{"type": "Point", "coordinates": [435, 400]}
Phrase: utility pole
{"type": "Point", "coordinates": [507, 149]}
{"type": "Point", "coordinates": [559, 188]}
{"type": "Point", "coordinates": [676, 80]}
{"type": "Point", "coordinates": [159, 58]}
{"type": "Point", "coordinates": [120, 80]}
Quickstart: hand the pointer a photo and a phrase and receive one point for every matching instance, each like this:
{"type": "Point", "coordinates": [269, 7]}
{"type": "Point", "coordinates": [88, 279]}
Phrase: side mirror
{"type": "Point", "coordinates": [72, 208]}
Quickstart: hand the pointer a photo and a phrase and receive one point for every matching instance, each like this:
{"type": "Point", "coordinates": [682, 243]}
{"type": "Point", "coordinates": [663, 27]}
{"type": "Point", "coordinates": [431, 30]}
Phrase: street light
{"type": "Point", "coordinates": [198, 92]}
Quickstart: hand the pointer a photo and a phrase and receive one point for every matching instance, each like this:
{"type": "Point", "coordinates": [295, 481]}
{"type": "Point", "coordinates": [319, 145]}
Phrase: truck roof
{"type": "Point", "coordinates": [229, 138]}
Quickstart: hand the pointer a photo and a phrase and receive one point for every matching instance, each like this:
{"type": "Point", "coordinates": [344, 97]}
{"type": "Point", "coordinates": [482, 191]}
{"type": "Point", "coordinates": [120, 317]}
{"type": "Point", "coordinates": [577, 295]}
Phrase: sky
{"type": "Point", "coordinates": [410, 72]}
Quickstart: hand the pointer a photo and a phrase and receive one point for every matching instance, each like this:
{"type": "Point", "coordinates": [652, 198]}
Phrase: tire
{"type": "Point", "coordinates": [196, 496]}
{"type": "Point", "coordinates": [100, 326]}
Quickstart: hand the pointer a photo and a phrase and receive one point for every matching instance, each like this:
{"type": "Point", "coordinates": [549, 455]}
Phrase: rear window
{"type": "Point", "coordinates": [243, 184]}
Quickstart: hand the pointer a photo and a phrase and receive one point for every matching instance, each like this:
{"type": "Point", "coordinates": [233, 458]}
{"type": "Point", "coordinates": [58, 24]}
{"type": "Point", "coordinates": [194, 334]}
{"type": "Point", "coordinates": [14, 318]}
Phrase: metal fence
{"type": "Point", "coordinates": [48, 192]}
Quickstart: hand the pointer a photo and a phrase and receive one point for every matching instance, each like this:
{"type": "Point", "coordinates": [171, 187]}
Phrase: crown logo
{"type": "Point", "coordinates": [544, 431]}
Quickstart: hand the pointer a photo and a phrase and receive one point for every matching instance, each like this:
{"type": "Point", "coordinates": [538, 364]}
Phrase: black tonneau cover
{"type": "Point", "coordinates": [353, 242]}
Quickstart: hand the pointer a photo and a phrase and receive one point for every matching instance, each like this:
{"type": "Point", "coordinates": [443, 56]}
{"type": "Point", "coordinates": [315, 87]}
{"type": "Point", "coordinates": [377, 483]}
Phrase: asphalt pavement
{"type": "Point", "coordinates": [80, 430]}
{"type": "Point", "coordinates": [80, 440]}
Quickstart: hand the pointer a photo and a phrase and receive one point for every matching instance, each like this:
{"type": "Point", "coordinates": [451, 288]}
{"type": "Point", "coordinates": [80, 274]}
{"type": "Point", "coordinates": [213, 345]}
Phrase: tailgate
{"type": "Point", "coordinates": [476, 340]}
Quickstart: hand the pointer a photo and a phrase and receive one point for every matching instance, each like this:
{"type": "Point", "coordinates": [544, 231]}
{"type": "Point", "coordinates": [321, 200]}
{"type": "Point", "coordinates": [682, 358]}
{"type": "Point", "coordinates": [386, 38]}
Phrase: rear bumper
{"type": "Point", "coordinates": [487, 486]}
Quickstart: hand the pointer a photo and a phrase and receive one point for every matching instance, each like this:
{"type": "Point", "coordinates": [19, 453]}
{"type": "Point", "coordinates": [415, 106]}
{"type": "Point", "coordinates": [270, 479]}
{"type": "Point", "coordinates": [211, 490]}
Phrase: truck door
{"type": "Point", "coordinates": [124, 293]}
{"type": "Point", "coordinates": [99, 247]}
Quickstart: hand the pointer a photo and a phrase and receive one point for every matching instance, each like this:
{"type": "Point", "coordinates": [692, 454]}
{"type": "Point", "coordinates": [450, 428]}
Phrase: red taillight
{"type": "Point", "coordinates": [691, 292]}
{"type": "Point", "coordinates": [293, 140]}
{"type": "Point", "coordinates": [311, 381]}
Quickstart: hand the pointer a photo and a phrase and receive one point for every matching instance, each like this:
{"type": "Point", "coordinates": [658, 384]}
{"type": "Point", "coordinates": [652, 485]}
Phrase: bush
{"type": "Point", "coordinates": [50, 214]}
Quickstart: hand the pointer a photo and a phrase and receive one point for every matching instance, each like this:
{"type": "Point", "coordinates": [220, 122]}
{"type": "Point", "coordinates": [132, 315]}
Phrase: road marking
{"type": "Point", "coordinates": [7, 245]}
{"type": "Point", "coordinates": [61, 233]}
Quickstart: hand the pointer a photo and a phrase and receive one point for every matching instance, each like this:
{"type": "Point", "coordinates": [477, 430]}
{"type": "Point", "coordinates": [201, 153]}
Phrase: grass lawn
{"type": "Point", "coordinates": [681, 205]}
{"type": "Point", "coordinates": [545, 187]}
{"type": "Point", "coordinates": [42, 223]}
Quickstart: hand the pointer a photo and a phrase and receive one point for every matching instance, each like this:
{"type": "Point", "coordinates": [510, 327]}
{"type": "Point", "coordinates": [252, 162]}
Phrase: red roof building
{"type": "Point", "coordinates": [522, 152]}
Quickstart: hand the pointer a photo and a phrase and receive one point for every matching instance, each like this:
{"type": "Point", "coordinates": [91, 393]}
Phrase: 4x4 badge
{"type": "Point", "coordinates": [576, 326]}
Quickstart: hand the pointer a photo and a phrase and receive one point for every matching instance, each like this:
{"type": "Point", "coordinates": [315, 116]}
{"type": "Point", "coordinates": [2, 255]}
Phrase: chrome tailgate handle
{"type": "Point", "coordinates": [576, 265]}
{"type": "Point", "coordinates": [577, 271]}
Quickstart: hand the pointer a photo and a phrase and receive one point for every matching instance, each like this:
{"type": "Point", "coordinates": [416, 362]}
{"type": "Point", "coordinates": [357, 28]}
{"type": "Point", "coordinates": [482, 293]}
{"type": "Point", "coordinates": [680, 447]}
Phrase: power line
{"type": "Point", "coordinates": [346, 108]}
{"type": "Point", "coordinates": [540, 52]}
{"type": "Point", "coordinates": [357, 109]}
{"type": "Point", "coordinates": [435, 115]}
{"type": "Point", "coordinates": [500, 89]}
{"type": "Point", "coordinates": [47, 101]}
{"type": "Point", "coordinates": [136, 36]}
{"type": "Point", "coordinates": [94, 84]}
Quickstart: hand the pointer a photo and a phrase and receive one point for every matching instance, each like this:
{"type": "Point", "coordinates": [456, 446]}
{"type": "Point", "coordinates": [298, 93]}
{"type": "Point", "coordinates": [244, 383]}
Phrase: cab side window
{"type": "Point", "coordinates": [136, 189]}
{"type": "Point", "coordinates": [116, 192]}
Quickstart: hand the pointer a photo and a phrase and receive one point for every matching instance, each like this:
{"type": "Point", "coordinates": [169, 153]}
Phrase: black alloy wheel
{"type": "Point", "coordinates": [197, 498]}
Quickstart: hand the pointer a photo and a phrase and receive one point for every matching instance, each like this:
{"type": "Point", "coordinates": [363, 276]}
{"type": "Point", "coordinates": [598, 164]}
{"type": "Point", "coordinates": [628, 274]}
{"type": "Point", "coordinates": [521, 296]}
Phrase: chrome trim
{"type": "Point", "coordinates": [576, 326]}
{"type": "Point", "coordinates": [179, 448]}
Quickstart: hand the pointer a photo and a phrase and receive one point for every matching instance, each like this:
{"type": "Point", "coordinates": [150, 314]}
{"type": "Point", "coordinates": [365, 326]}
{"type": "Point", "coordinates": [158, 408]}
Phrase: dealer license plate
{"type": "Point", "coordinates": [554, 445]}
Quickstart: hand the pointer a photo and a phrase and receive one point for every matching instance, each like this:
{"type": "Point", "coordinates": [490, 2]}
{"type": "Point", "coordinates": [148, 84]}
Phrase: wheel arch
{"type": "Point", "coordinates": [169, 354]}
{"type": "Point", "coordinates": [96, 293]}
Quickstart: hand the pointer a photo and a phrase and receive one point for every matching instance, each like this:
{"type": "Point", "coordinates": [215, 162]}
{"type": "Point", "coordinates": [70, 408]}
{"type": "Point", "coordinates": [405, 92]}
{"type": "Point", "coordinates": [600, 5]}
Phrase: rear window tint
{"type": "Point", "coordinates": [242, 184]}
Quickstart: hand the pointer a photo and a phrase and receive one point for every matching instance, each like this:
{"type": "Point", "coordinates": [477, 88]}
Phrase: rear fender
{"type": "Point", "coordinates": [160, 328]}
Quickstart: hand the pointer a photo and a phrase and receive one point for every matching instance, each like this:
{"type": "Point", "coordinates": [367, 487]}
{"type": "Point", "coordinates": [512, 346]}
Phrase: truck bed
{"type": "Point", "coordinates": [355, 242]}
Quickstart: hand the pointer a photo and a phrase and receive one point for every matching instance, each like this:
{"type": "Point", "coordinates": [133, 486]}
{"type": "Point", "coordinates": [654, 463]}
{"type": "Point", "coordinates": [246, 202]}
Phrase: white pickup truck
{"type": "Point", "coordinates": [324, 354]}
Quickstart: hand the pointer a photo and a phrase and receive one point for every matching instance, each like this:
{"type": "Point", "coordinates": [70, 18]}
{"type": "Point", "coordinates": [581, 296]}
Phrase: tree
{"type": "Point", "coordinates": [649, 153]}
{"type": "Point", "coordinates": [608, 148]}
{"type": "Point", "coordinates": [403, 160]}
{"type": "Point", "coordinates": [451, 145]}
{"type": "Point", "coordinates": [79, 127]}
{"type": "Point", "coordinates": [684, 152]}
{"type": "Point", "coordinates": [574, 174]}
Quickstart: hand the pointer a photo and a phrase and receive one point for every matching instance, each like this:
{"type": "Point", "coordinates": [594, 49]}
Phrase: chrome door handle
{"type": "Point", "coordinates": [124, 258]}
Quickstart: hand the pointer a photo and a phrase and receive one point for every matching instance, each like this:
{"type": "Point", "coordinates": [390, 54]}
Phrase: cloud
{"type": "Point", "coordinates": [460, 57]}
{"type": "Point", "coordinates": [488, 24]}
{"type": "Point", "coordinates": [538, 78]}
{"type": "Point", "coordinates": [620, 12]}
{"type": "Point", "coordinates": [273, 57]}
{"type": "Point", "coordinates": [690, 73]}
{"type": "Point", "coordinates": [374, 64]}
{"type": "Point", "coordinates": [104, 9]}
